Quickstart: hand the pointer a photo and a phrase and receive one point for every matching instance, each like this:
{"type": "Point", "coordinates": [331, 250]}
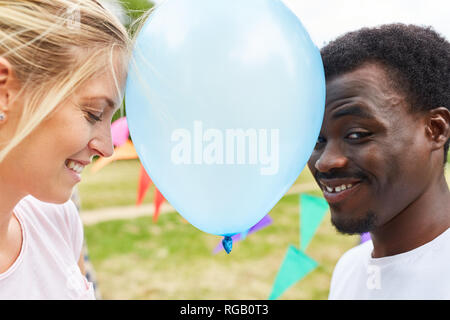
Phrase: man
{"type": "Point", "coordinates": [380, 160]}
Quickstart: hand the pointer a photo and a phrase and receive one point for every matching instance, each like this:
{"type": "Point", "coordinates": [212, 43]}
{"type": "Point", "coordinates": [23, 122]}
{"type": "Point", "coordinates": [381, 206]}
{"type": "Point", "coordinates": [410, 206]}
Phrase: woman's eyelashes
{"type": "Point", "coordinates": [94, 117]}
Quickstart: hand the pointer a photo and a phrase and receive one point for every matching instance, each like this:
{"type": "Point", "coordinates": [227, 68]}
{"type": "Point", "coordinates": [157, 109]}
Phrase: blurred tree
{"type": "Point", "coordinates": [127, 11]}
{"type": "Point", "coordinates": [135, 8]}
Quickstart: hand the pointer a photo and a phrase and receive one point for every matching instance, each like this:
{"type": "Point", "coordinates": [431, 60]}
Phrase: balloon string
{"type": "Point", "coordinates": [227, 243]}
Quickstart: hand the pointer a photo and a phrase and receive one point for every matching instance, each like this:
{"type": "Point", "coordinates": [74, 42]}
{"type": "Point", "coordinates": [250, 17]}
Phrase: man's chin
{"type": "Point", "coordinates": [352, 225]}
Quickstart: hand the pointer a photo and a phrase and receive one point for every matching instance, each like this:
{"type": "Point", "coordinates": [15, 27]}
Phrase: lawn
{"type": "Point", "coordinates": [170, 259]}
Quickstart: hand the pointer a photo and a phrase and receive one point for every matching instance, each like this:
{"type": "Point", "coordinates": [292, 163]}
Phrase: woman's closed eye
{"type": "Point", "coordinates": [94, 117]}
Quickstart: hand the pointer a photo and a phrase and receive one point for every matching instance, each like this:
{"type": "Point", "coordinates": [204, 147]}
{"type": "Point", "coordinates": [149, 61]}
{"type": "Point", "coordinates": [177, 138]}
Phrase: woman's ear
{"type": "Point", "coordinates": [8, 88]}
{"type": "Point", "coordinates": [438, 127]}
{"type": "Point", "coordinates": [4, 73]}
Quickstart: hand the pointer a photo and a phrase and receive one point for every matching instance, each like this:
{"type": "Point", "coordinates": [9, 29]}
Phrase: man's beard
{"type": "Point", "coordinates": [355, 225]}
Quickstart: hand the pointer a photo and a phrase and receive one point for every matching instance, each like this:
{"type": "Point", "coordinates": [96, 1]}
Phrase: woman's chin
{"type": "Point", "coordinates": [58, 197]}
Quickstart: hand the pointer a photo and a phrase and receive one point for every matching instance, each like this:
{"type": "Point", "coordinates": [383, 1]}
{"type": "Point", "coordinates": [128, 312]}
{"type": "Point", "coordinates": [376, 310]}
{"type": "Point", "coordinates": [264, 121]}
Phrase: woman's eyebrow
{"type": "Point", "coordinates": [108, 100]}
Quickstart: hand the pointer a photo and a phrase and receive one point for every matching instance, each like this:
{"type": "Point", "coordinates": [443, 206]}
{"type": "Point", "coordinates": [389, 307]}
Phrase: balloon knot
{"type": "Point", "coordinates": [227, 243]}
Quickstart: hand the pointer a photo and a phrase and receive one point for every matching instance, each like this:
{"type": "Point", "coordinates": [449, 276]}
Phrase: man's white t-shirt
{"type": "Point", "coordinates": [47, 265]}
{"type": "Point", "coordinates": [422, 273]}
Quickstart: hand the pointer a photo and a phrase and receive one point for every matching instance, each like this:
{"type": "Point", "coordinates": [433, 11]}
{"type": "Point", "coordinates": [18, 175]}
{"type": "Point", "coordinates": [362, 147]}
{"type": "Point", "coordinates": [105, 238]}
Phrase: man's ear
{"type": "Point", "coordinates": [438, 127]}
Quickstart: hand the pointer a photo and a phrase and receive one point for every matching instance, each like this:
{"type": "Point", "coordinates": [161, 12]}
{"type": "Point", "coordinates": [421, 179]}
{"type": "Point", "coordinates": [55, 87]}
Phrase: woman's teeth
{"type": "Point", "coordinates": [339, 188]}
{"type": "Point", "coordinates": [75, 166]}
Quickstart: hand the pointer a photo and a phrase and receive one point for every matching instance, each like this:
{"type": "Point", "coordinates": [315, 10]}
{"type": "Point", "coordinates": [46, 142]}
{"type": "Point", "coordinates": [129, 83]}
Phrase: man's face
{"type": "Point", "coordinates": [371, 159]}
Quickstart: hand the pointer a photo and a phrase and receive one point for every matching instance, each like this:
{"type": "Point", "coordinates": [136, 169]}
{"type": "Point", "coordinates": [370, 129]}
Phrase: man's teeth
{"type": "Point", "coordinates": [75, 166]}
{"type": "Point", "coordinates": [339, 188]}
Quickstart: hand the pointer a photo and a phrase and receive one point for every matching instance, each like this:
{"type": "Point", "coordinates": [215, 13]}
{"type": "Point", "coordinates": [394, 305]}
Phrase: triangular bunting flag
{"type": "Point", "coordinates": [158, 200]}
{"type": "Point", "coordinates": [312, 211]}
{"type": "Point", "coordinates": [296, 265]}
{"type": "Point", "coordinates": [125, 152]}
{"type": "Point", "coordinates": [119, 131]}
{"type": "Point", "coordinates": [264, 222]}
{"type": "Point", "coordinates": [143, 185]}
{"type": "Point", "coordinates": [365, 237]}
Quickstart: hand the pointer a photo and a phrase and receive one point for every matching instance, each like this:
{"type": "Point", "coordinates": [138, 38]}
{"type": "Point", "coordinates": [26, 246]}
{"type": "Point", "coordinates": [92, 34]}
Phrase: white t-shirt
{"type": "Point", "coordinates": [47, 265]}
{"type": "Point", "coordinates": [422, 273]}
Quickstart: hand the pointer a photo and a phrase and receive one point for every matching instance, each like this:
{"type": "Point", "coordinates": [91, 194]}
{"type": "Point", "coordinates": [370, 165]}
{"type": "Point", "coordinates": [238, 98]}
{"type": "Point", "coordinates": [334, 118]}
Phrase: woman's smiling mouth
{"type": "Point", "coordinates": [75, 168]}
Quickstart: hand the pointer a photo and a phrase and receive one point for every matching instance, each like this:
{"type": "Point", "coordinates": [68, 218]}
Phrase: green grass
{"type": "Point", "coordinates": [170, 259]}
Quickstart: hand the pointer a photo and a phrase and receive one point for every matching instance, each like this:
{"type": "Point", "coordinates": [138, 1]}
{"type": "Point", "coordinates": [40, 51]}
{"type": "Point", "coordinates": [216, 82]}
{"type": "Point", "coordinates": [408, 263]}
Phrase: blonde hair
{"type": "Point", "coordinates": [54, 46]}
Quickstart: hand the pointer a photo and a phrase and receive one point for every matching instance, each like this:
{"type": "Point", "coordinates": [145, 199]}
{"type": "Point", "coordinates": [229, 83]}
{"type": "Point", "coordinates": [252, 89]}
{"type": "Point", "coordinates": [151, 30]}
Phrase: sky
{"type": "Point", "coordinates": [327, 19]}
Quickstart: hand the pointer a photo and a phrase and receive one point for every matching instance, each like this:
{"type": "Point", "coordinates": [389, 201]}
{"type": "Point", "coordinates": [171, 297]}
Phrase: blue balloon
{"type": "Point", "coordinates": [224, 101]}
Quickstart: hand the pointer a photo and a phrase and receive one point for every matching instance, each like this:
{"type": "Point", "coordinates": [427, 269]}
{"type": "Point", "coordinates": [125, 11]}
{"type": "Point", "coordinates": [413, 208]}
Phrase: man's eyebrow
{"type": "Point", "coordinates": [355, 111]}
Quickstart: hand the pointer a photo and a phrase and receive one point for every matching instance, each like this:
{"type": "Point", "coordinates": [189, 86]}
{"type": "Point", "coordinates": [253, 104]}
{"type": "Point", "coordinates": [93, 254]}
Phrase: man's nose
{"type": "Point", "coordinates": [332, 157]}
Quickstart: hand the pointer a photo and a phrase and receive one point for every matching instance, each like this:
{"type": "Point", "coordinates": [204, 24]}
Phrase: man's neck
{"type": "Point", "coordinates": [422, 221]}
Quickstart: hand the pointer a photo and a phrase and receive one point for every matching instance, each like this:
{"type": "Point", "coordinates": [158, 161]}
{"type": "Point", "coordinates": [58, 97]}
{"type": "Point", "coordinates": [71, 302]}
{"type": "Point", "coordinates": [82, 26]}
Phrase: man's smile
{"type": "Point", "coordinates": [336, 190]}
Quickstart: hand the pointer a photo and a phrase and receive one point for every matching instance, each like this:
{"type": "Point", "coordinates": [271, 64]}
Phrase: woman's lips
{"type": "Point", "coordinates": [75, 167]}
{"type": "Point", "coordinates": [75, 176]}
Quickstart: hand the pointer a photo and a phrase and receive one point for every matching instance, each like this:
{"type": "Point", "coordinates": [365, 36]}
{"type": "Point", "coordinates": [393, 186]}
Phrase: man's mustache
{"type": "Point", "coordinates": [340, 175]}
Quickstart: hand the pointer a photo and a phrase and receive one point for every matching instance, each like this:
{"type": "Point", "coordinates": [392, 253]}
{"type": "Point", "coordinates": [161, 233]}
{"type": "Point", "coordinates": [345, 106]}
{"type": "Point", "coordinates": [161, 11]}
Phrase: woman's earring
{"type": "Point", "coordinates": [2, 116]}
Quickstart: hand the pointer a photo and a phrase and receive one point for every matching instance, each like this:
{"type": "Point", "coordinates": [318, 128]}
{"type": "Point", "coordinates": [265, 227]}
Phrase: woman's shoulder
{"type": "Point", "coordinates": [51, 222]}
{"type": "Point", "coordinates": [47, 214]}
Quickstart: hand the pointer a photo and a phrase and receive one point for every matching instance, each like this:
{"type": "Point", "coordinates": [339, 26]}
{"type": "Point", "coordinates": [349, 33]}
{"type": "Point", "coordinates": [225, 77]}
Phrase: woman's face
{"type": "Point", "coordinates": [48, 163]}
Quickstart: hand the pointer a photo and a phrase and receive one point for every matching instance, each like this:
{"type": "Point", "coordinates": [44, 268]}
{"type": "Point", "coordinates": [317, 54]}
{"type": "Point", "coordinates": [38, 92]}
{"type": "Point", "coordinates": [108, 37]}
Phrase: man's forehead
{"type": "Point", "coordinates": [367, 79]}
{"type": "Point", "coordinates": [368, 83]}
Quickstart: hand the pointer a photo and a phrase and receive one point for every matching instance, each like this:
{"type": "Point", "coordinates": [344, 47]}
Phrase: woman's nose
{"type": "Point", "coordinates": [101, 144]}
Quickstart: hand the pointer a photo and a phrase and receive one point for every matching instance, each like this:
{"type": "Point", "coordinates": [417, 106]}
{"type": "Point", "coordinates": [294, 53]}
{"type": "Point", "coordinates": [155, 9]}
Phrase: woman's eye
{"type": "Point", "coordinates": [358, 135]}
{"type": "Point", "coordinates": [93, 117]}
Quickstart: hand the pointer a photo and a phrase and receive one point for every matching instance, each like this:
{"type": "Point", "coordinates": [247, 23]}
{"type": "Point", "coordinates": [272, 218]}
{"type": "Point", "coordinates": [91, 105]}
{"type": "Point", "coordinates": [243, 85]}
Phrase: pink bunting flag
{"type": "Point", "coordinates": [120, 134]}
{"type": "Point", "coordinates": [119, 131]}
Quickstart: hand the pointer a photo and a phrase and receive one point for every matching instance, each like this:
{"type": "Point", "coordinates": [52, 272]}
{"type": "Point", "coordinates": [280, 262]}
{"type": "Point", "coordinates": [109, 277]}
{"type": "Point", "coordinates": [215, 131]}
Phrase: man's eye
{"type": "Point", "coordinates": [358, 135]}
{"type": "Point", "coordinates": [319, 141]}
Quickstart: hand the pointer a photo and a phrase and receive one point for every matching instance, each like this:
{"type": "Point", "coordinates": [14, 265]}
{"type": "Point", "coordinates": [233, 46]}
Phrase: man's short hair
{"type": "Point", "coordinates": [417, 60]}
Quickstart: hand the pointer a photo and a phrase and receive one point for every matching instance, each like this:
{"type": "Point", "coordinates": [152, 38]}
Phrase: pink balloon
{"type": "Point", "coordinates": [119, 131]}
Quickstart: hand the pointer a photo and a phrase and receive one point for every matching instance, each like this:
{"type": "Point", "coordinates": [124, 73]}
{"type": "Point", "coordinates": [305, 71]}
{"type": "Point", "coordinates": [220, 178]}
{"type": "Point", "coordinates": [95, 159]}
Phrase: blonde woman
{"type": "Point", "coordinates": [62, 71]}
